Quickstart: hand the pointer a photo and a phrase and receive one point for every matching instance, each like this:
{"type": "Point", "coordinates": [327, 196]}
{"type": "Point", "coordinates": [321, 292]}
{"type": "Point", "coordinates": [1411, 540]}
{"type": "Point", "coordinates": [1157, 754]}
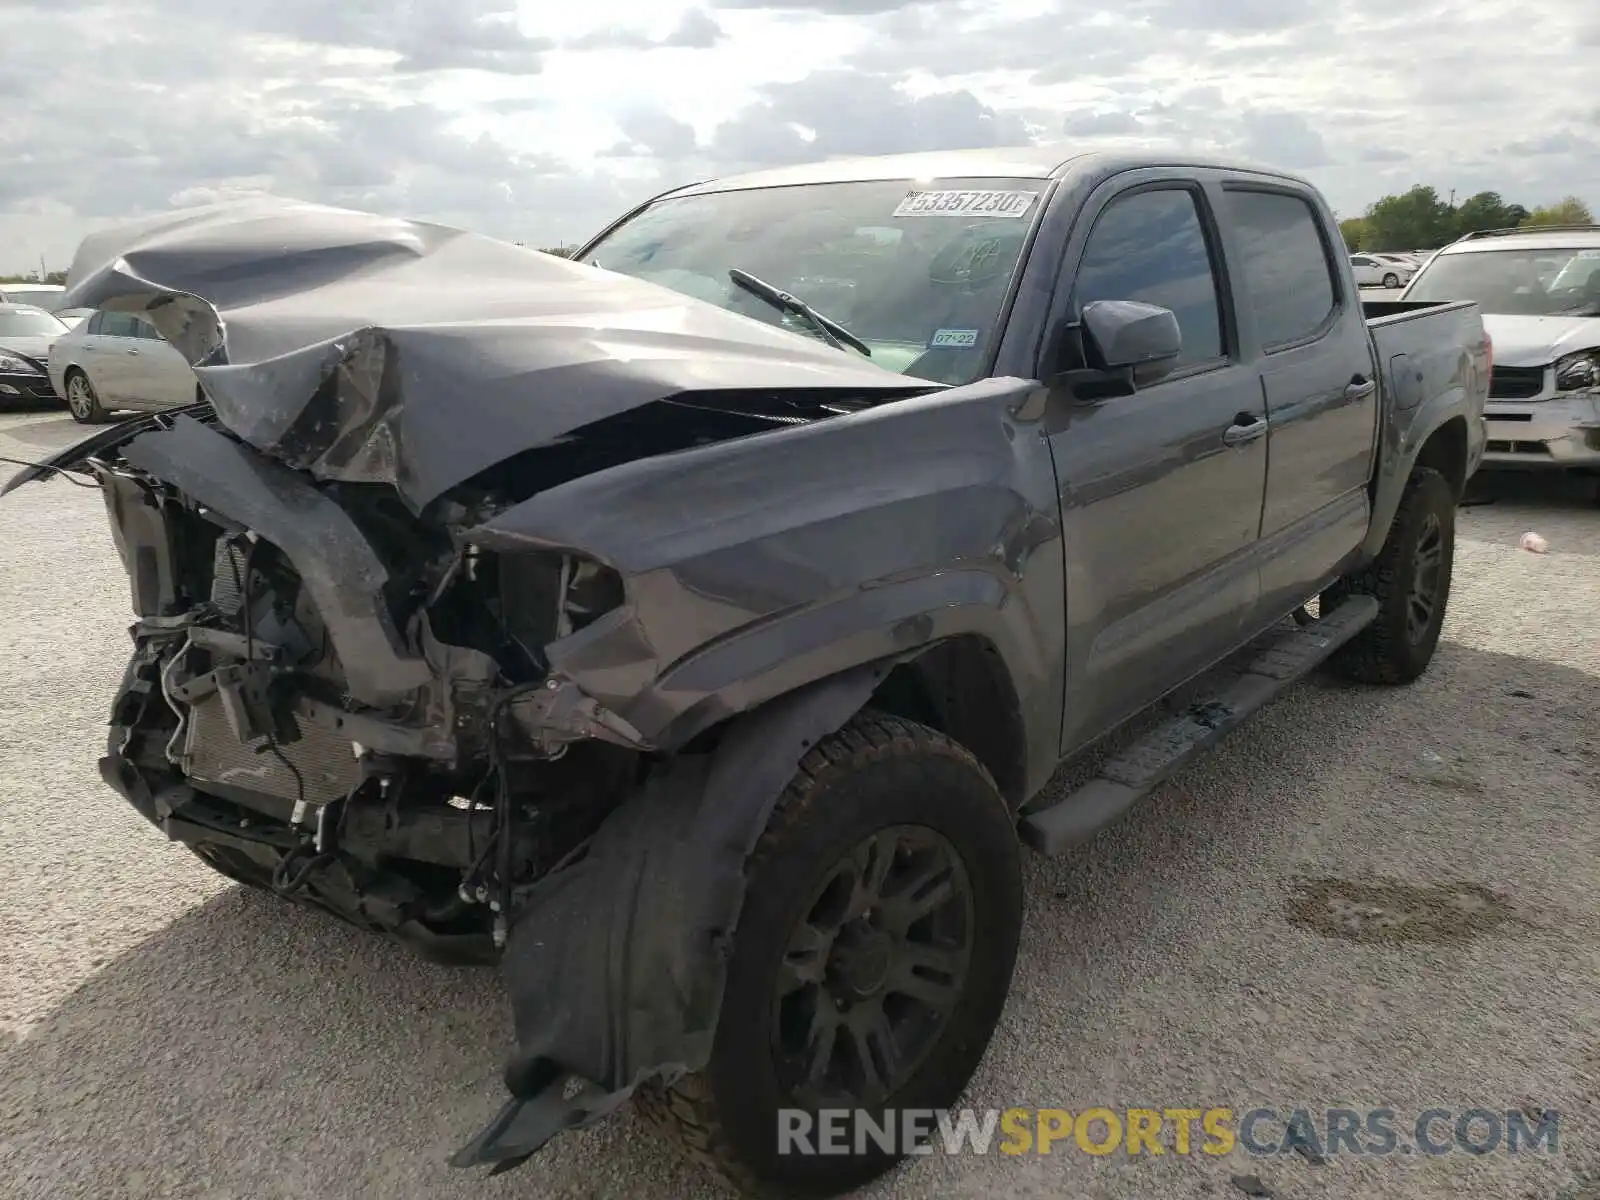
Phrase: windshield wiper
{"type": "Point", "coordinates": [835, 334]}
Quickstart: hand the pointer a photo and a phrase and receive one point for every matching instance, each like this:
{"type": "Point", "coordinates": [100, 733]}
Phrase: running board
{"type": "Point", "coordinates": [1149, 762]}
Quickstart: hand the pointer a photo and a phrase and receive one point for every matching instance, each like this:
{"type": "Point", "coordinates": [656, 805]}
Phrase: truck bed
{"type": "Point", "coordinates": [1420, 344]}
{"type": "Point", "coordinates": [1392, 312]}
{"type": "Point", "coordinates": [1425, 350]}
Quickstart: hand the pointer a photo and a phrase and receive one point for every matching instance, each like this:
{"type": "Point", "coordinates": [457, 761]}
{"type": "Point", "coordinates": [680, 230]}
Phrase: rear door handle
{"type": "Point", "coordinates": [1246, 427]}
{"type": "Point", "coordinates": [130, 352]}
{"type": "Point", "coordinates": [1360, 389]}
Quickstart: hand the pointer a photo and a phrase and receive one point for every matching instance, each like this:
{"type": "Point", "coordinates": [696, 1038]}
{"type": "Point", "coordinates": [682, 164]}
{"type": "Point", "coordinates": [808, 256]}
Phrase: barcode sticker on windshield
{"type": "Point", "coordinates": [966, 204]}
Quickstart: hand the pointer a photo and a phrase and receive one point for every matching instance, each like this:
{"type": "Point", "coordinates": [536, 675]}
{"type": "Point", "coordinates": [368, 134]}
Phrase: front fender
{"type": "Point", "coordinates": [755, 566]}
{"type": "Point", "coordinates": [616, 963]}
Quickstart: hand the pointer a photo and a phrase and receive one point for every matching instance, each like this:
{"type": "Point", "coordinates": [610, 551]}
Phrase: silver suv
{"type": "Point", "coordinates": [1539, 291]}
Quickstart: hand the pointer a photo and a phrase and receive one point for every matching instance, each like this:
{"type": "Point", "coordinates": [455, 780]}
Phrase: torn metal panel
{"type": "Point", "coordinates": [335, 562]}
{"type": "Point", "coordinates": [755, 565]}
{"type": "Point", "coordinates": [637, 931]}
{"type": "Point", "coordinates": [369, 349]}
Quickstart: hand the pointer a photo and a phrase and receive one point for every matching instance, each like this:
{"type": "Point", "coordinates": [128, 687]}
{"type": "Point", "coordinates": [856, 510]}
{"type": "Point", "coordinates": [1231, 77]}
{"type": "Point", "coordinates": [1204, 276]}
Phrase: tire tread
{"type": "Point", "coordinates": [1378, 654]}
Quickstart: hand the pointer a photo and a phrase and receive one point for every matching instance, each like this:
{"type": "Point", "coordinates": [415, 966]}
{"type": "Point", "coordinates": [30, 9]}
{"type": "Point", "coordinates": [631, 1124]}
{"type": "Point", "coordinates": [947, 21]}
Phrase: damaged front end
{"type": "Point", "coordinates": [355, 708]}
{"type": "Point", "coordinates": [499, 624]}
{"type": "Point", "coordinates": [324, 697]}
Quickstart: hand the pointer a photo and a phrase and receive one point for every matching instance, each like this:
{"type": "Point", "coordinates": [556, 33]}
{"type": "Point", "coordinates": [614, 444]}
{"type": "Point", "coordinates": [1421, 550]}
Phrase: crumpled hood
{"type": "Point", "coordinates": [372, 349]}
{"type": "Point", "coordinates": [1539, 341]}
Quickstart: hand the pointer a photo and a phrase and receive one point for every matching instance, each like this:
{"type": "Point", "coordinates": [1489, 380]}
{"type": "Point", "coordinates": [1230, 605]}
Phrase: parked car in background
{"type": "Point", "coordinates": [1539, 292]}
{"type": "Point", "coordinates": [118, 360]}
{"type": "Point", "coordinates": [41, 295]}
{"type": "Point", "coordinates": [26, 335]}
{"type": "Point", "coordinates": [1371, 270]}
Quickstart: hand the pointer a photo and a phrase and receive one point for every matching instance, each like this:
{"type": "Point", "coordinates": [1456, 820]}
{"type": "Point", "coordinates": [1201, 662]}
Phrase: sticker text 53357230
{"type": "Point", "coordinates": [965, 204]}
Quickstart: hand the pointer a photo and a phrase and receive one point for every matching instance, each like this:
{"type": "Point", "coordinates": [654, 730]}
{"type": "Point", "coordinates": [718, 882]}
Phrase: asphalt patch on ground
{"type": "Point", "coordinates": [1389, 912]}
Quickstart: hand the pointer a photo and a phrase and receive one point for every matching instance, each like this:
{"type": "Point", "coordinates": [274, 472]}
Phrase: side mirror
{"type": "Point", "coordinates": [1125, 335]}
{"type": "Point", "coordinates": [1117, 347]}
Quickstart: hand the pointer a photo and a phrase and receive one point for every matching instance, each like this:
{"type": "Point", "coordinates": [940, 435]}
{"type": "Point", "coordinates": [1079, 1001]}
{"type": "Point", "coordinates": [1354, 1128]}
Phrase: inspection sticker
{"type": "Point", "coordinates": [965, 204]}
{"type": "Point", "coordinates": [954, 337]}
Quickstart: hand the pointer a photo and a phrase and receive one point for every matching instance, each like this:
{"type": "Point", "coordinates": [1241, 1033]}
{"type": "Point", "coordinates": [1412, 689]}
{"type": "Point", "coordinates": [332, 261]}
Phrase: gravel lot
{"type": "Point", "coordinates": [166, 1033]}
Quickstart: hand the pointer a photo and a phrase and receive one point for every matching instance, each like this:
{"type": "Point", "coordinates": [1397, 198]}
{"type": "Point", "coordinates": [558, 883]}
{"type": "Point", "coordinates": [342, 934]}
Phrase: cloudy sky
{"type": "Point", "coordinates": [537, 121]}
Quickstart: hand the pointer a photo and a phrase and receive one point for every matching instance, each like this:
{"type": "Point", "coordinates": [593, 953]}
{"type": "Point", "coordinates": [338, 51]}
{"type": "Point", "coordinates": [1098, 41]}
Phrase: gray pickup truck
{"type": "Point", "coordinates": [693, 628]}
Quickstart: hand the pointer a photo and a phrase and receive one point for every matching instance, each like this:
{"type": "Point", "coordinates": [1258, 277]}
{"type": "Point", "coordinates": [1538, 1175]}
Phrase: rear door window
{"type": "Point", "coordinates": [119, 324]}
{"type": "Point", "coordinates": [1287, 269]}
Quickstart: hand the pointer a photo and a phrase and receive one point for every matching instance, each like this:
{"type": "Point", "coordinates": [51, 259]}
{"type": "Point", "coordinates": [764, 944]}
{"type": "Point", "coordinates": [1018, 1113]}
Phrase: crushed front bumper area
{"type": "Point", "coordinates": [612, 932]}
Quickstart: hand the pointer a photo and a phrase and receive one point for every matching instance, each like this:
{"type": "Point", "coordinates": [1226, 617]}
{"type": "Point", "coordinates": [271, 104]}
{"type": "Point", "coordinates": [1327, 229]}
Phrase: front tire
{"type": "Point", "coordinates": [1411, 581]}
{"type": "Point", "coordinates": [1391, 281]}
{"type": "Point", "coordinates": [870, 963]}
{"type": "Point", "coordinates": [82, 400]}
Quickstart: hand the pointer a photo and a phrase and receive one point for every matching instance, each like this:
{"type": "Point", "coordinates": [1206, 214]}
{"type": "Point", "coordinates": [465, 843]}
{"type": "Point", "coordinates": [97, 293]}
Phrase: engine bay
{"type": "Point", "coordinates": [416, 811]}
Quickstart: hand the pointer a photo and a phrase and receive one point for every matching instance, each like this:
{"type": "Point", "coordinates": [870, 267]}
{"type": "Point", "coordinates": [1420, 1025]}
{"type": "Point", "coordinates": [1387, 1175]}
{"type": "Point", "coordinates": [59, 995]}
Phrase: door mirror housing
{"type": "Point", "coordinates": [1129, 335]}
{"type": "Point", "coordinates": [1120, 346]}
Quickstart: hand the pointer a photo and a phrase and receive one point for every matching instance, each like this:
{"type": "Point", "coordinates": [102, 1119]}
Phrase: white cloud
{"type": "Point", "coordinates": [540, 122]}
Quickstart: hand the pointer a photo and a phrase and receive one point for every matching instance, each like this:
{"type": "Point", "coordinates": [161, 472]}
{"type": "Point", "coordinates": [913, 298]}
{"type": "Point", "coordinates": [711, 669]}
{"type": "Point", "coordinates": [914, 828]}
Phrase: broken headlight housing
{"type": "Point", "coordinates": [1578, 372]}
{"type": "Point", "coordinates": [544, 597]}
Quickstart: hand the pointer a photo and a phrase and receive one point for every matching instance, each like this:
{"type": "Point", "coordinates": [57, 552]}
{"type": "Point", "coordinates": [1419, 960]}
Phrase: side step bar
{"type": "Point", "coordinates": [1153, 759]}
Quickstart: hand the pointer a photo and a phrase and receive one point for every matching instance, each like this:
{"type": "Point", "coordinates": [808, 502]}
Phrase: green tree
{"type": "Point", "coordinates": [1354, 230]}
{"type": "Point", "coordinates": [1570, 211]}
{"type": "Point", "coordinates": [1410, 221]}
{"type": "Point", "coordinates": [1487, 210]}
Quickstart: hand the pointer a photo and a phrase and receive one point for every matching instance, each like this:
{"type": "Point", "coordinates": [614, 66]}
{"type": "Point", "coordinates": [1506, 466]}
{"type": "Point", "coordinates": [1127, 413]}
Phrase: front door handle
{"type": "Point", "coordinates": [1360, 389]}
{"type": "Point", "coordinates": [1246, 427]}
{"type": "Point", "coordinates": [130, 352]}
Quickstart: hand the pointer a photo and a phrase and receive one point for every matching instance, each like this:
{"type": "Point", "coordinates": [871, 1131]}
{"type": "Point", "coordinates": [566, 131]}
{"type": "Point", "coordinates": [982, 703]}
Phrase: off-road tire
{"type": "Point", "coordinates": [875, 773]}
{"type": "Point", "coordinates": [1384, 652]}
{"type": "Point", "coordinates": [91, 414]}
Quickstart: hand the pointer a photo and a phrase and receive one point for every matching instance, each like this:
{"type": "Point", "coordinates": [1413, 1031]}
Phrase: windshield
{"type": "Point", "coordinates": [43, 297]}
{"type": "Point", "coordinates": [28, 322]}
{"type": "Point", "coordinates": [918, 272]}
{"type": "Point", "coordinates": [1537, 283]}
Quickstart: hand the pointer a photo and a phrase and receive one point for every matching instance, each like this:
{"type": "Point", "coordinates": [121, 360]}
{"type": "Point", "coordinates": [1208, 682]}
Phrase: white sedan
{"type": "Point", "coordinates": [1381, 270]}
{"type": "Point", "coordinates": [117, 360]}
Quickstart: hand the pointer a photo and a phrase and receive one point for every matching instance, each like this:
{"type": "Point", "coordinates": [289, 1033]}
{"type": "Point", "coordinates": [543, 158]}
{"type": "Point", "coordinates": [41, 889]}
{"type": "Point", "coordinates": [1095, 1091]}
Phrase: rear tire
{"type": "Point", "coordinates": [1411, 581]}
{"type": "Point", "coordinates": [883, 820]}
{"type": "Point", "coordinates": [82, 400]}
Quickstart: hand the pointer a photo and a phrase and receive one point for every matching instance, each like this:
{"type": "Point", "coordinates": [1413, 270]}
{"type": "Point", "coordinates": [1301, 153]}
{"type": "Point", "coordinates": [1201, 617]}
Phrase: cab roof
{"type": "Point", "coordinates": [1042, 162]}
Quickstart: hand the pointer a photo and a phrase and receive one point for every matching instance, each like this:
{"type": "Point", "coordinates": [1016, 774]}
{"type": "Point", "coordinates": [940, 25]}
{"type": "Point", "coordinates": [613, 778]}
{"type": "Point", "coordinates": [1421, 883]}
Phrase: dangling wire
{"type": "Point", "coordinates": [64, 472]}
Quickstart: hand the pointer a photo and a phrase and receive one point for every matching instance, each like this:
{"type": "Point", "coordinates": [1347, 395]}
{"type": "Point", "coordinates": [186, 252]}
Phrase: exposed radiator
{"type": "Point", "coordinates": [325, 760]}
{"type": "Point", "coordinates": [227, 575]}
